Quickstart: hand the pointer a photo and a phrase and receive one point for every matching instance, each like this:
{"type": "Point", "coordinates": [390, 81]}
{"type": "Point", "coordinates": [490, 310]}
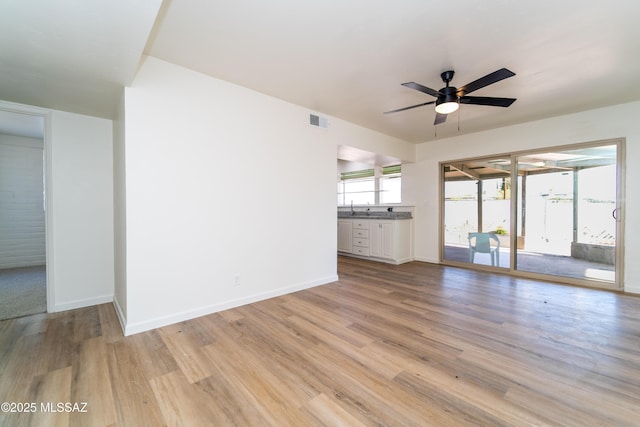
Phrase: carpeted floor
{"type": "Point", "coordinates": [22, 291]}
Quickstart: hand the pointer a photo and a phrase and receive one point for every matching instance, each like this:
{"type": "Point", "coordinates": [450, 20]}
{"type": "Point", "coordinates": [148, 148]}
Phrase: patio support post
{"type": "Point", "coordinates": [575, 205]}
{"type": "Point", "coordinates": [480, 206]}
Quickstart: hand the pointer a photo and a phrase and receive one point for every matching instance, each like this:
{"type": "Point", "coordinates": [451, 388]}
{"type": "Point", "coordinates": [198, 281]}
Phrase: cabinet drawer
{"type": "Point", "coordinates": [360, 233]}
{"type": "Point", "coordinates": [361, 242]}
{"type": "Point", "coordinates": [359, 250]}
{"type": "Point", "coordinates": [363, 225]}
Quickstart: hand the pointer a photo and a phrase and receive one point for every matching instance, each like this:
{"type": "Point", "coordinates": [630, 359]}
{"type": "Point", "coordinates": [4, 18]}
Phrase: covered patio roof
{"type": "Point", "coordinates": [529, 164]}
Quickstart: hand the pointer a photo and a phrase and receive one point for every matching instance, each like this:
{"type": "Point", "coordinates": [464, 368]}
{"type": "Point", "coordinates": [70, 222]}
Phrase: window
{"type": "Point", "coordinates": [391, 185]}
{"type": "Point", "coordinates": [357, 187]}
{"type": "Point", "coordinates": [370, 186]}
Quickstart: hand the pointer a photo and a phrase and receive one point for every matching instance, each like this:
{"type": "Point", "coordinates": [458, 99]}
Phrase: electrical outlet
{"type": "Point", "coordinates": [237, 280]}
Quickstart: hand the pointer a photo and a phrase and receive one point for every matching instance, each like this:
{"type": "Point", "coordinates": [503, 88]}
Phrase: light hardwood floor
{"type": "Point", "coordinates": [415, 344]}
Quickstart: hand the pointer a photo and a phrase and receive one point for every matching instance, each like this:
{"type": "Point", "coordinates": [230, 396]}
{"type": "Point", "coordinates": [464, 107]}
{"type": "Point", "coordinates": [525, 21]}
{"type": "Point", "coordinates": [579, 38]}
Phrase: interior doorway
{"type": "Point", "coordinates": [555, 212]}
{"type": "Point", "coordinates": [23, 243]}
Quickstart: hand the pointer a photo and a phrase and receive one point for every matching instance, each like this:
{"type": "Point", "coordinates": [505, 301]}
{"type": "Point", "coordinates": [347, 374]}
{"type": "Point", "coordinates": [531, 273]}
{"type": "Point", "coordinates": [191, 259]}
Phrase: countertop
{"type": "Point", "coordinates": [374, 215]}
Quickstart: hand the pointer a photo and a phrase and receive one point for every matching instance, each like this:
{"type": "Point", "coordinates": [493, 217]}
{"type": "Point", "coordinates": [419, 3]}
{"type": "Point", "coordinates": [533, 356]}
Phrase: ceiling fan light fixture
{"type": "Point", "coordinates": [448, 102]}
{"type": "Point", "coordinates": [446, 107]}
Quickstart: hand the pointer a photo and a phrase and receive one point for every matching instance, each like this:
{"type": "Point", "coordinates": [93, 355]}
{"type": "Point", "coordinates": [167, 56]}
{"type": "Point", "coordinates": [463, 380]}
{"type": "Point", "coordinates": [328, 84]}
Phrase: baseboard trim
{"type": "Point", "coordinates": [146, 325]}
{"type": "Point", "coordinates": [377, 259]}
{"type": "Point", "coordinates": [429, 260]}
{"type": "Point", "coordinates": [81, 303]}
{"type": "Point", "coordinates": [120, 313]}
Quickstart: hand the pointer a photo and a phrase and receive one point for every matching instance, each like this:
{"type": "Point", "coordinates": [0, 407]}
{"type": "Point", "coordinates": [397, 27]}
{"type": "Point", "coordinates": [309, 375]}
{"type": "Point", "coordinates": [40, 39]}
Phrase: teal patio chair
{"type": "Point", "coordinates": [482, 242]}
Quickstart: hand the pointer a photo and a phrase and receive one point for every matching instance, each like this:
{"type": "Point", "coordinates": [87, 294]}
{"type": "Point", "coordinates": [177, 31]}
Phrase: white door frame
{"type": "Point", "coordinates": [47, 138]}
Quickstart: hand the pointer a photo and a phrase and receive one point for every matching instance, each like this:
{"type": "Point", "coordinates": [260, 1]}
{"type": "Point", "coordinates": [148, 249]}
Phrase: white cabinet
{"type": "Point", "coordinates": [344, 235]}
{"type": "Point", "coordinates": [382, 241]}
{"type": "Point", "coordinates": [360, 237]}
{"type": "Point", "coordinates": [385, 240]}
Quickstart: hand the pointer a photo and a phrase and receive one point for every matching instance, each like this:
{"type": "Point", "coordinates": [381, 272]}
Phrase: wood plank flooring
{"type": "Point", "coordinates": [409, 345]}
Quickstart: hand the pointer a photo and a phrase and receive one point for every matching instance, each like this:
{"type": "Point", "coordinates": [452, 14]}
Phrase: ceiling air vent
{"type": "Point", "coordinates": [317, 121]}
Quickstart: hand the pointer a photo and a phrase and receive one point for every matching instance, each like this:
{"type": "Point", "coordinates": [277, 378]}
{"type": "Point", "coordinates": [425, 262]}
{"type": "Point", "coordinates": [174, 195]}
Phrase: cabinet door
{"type": "Point", "coordinates": [381, 242]}
{"type": "Point", "coordinates": [344, 236]}
{"type": "Point", "coordinates": [386, 239]}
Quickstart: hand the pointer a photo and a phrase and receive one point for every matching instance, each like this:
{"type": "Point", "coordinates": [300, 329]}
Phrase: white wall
{"type": "Point", "coordinates": [119, 214]}
{"type": "Point", "coordinates": [221, 181]}
{"type": "Point", "coordinates": [22, 221]}
{"type": "Point", "coordinates": [421, 180]}
{"type": "Point", "coordinates": [81, 202]}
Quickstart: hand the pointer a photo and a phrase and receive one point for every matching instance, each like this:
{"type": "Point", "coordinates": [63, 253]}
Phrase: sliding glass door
{"type": "Point", "coordinates": [544, 213]}
{"type": "Point", "coordinates": [476, 214]}
{"type": "Point", "coordinates": [568, 199]}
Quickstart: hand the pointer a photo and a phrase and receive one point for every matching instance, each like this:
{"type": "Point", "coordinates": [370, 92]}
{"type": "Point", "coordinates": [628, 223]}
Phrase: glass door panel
{"type": "Point", "coordinates": [566, 205]}
{"type": "Point", "coordinates": [476, 212]}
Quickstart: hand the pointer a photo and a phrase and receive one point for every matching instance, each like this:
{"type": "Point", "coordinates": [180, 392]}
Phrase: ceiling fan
{"type": "Point", "coordinates": [449, 97]}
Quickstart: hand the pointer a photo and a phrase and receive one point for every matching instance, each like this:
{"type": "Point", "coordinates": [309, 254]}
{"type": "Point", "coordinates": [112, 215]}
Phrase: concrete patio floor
{"type": "Point", "coordinates": [537, 262]}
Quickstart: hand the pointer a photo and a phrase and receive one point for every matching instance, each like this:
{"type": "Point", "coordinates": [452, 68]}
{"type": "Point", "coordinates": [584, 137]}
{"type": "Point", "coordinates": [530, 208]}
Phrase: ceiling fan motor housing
{"type": "Point", "coordinates": [447, 94]}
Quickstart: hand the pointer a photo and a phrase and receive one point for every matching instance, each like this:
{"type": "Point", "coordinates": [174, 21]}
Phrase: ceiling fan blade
{"type": "Point", "coordinates": [424, 89]}
{"type": "Point", "coordinates": [408, 108]}
{"type": "Point", "coordinates": [487, 100]}
{"type": "Point", "coordinates": [440, 118]}
{"type": "Point", "coordinates": [487, 80]}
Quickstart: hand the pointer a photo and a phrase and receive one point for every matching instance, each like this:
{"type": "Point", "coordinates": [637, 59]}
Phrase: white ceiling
{"type": "Point", "coordinates": [72, 55]}
{"type": "Point", "coordinates": [342, 58]}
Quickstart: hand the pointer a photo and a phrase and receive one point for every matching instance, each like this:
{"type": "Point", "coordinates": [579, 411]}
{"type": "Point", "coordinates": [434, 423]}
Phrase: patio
{"type": "Point", "coordinates": [544, 263]}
